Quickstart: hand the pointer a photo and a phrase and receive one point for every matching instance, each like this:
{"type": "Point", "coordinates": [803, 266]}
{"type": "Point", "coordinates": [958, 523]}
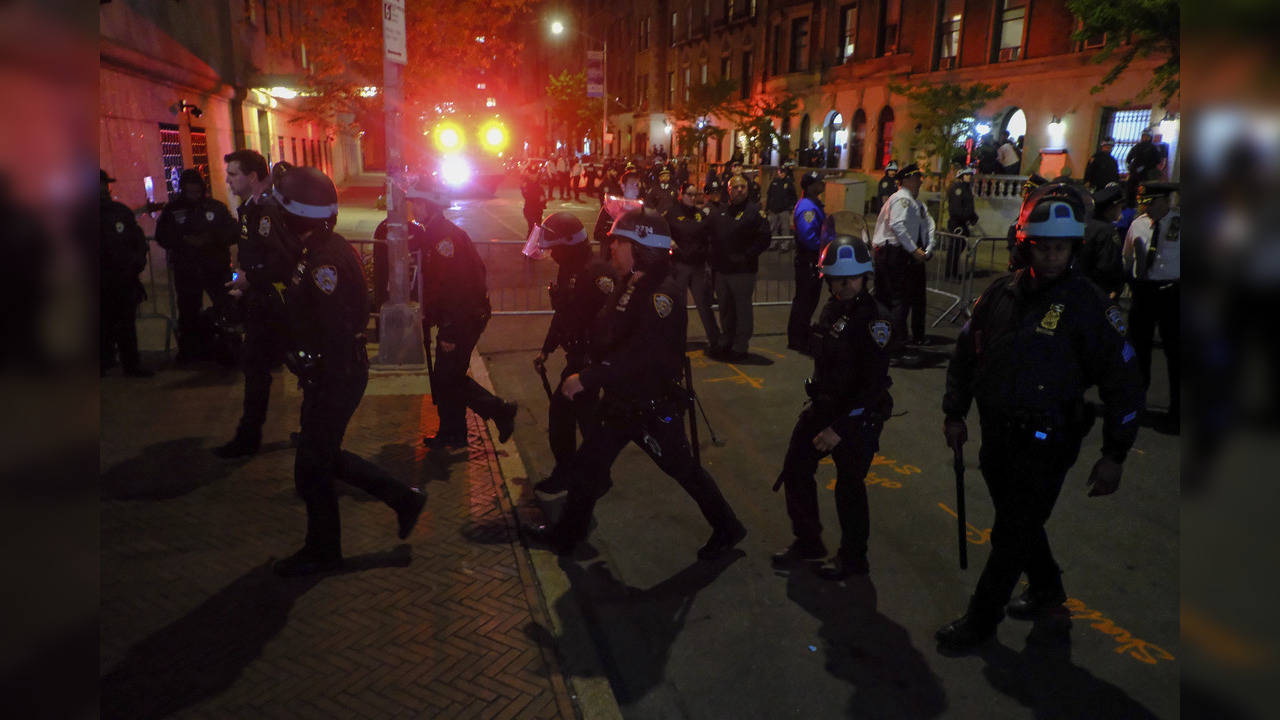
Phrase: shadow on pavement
{"type": "Point", "coordinates": [206, 375]}
{"type": "Point", "coordinates": [204, 652]}
{"type": "Point", "coordinates": [890, 677]}
{"type": "Point", "coordinates": [165, 470]}
{"type": "Point", "coordinates": [1044, 680]}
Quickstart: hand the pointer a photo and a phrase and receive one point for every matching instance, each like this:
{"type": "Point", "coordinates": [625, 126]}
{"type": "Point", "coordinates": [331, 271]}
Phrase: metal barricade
{"type": "Point", "coordinates": [153, 298]}
{"type": "Point", "coordinates": [955, 272]}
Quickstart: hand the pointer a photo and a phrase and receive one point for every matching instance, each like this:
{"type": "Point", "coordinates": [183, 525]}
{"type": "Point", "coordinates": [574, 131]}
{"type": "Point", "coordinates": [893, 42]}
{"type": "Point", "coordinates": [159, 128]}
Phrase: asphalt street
{"type": "Point", "coordinates": [682, 639]}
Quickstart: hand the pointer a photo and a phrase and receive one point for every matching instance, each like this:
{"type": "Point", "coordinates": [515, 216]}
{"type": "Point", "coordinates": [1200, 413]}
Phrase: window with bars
{"type": "Point", "coordinates": [171, 155]}
{"type": "Point", "coordinates": [1124, 126]}
{"type": "Point", "coordinates": [848, 31]}
{"type": "Point", "coordinates": [1009, 29]}
{"type": "Point", "coordinates": [200, 153]}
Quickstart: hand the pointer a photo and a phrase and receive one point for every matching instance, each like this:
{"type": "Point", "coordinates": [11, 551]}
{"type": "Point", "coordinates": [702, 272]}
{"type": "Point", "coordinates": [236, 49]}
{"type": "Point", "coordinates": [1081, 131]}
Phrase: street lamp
{"type": "Point", "coordinates": [558, 28]}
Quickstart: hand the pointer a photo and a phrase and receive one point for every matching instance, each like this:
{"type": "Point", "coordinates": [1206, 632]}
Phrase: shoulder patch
{"type": "Point", "coordinates": [959, 192]}
{"type": "Point", "coordinates": [809, 215]}
{"type": "Point", "coordinates": [444, 248]}
{"type": "Point", "coordinates": [662, 304]}
{"type": "Point", "coordinates": [604, 284]}
{"type": "Point", "coordinates": [208, 215]}
{"type": "Point", "coordinates": [264, 226]}
{"type": "Point", "coordinates": [1116, 319]}
{"type": "Point", "coordinates": [697, 216]}
{"type": "Point", "coordinates": [325, 278]}
{"type": "Point", "coordinates": [119, 227]}
{"type": "Point", "coordinates": [880, 332]}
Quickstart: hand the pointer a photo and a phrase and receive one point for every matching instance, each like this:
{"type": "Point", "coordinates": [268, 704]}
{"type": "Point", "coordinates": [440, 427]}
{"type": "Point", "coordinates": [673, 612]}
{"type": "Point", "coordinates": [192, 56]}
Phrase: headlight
{"type": "Point", "coordinates": [455, 170]}
{"type": "Point", "coordinates": [448, 137]}
{"type": "Point", "coordinates": [493, 136]}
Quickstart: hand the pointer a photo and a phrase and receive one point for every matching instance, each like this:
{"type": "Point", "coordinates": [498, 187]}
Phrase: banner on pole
{"type": "Point", "coordinates": [595, 74]}
{"type": "Point", "coordinates": [393, 37]}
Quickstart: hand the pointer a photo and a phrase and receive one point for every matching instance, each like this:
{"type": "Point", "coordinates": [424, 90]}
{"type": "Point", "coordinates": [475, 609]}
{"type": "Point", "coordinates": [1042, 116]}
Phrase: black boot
{"type": "Point", "coordinates": [1033, 602]}
{"type": "Point", "coordinates": [242, 445]}
{"type": "Point", "coordinates": [549, 537]}
{"type": "Point", "coordinates": [505, 421]}
{"type": "Point", "coordinates": [974, 628]}
{"type": "Point", "coordinates": [307, 562]}
{"type": "Point", "coordinates": [844, 566]}
{"type": "Point", "coordinates": [409, 512]}
{"type": "Point", "coordinates": [722, 540]}
{"type": "Point", "coordinates": [800, 551]}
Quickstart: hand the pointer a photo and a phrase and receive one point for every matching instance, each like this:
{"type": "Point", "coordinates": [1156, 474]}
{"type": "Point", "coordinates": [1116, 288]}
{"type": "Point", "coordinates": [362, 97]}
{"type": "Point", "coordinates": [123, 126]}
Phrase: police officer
{"type": "Point", "coordinates": [753, 187]}
{"type": "Point", "coordinates": [739, 234]}
{"type": "Point", "coordinates": [581, 287]}
{"type": "Point", "coordinates": [902, 242]}
{"type": "Point", "coordinates": [780, 201]}
{"type": "Point", "coordinates": [887, 187]}
{"type": "Point", "coordinates": [197, 233]}
{"type": "Point", "coordinates": [641, 337]}
{"type": "Point", "coordinates": [122, 256]}
{"type": "Point", "coordinates": [1037, 340]}
{"type": "Point", "coordinates": [809, 216]}
{"type": "Point", "coordinates": [327, 305]}
{"type": "Point", "coordinates": [1102, 169]}
{"type": "Point", "coordinates": [848, 404]}
{"type": "Point", "coordinates": [1100, 258]}
{"type": "Point", "coordinates": [1016, 259]}
{"type": "Point", "coordinates": [961, 214]}
{"type": "Point", "coordinates": [662, 196]}
{"type": "Point", "coordinates": [614, 207]}
{"type": "Point", "coordinates": [1142, 160]}
{"type": "Point", "coordinates": [691, 234]}
{"type": "Point", "coordinates": [264, 268]}
{"type": "Point", "coordinates": [456, 301]}
{"type": "Point", "coordinates": [535, 200]}
{"type": "Point", "coordinates": [1152, 253]}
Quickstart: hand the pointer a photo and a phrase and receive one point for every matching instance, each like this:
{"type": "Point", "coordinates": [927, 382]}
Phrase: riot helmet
{"type": "Point", "coordinates": [309, 201]}
{"type": "Point", "coordinates": [845, 256]}
{"type": "Point", "coordinates": [649, 235]}
{"type": "Point", "coordinates": [559, 229]}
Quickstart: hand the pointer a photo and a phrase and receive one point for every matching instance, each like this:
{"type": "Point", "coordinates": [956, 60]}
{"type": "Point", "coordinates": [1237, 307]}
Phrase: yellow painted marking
{"type": "Point", "coordinates": [740, 379]}
{"type": "Point", "coordinates": [1126, 643]}
{"type": "Point", "coordinates": [1223, 643]}
{"type": "Point", "coordinates": [974, 535]}
{"type": "Point", "coordinates": [762, 351]}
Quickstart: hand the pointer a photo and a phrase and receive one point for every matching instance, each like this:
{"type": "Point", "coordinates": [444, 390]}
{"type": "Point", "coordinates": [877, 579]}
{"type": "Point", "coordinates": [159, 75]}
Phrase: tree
{"type": "Point", "coordinates": [705, 101]}
{"type": "Point", "coordinates": [944, 114]}
{"type": "Point", "coordinates": [1138, 29]}
{"type": "Point", "coordinates": [343, 40]}
{"type": "Point", "coordinates": [754, 118]}
{"type": "Point", "coordinates": [570, 106]}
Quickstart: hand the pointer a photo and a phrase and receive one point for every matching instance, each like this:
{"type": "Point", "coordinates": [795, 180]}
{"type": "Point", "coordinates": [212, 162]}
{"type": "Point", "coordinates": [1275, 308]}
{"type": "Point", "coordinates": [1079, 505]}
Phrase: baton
{"type": "Point", "coordinates": [546, 386]}
{"type": "Point", "coordinates": [431, 366]}
{"type": "Point", "coordinates": [960, 523]}
{"type": "Point", "coordinates": [693, 415]}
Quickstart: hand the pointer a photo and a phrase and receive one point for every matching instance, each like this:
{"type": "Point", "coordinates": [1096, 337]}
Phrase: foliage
{"type": "Point", "coordinates": [754, 119]}
{"type": "Point", "coordinates": [1135, 28]}
{"type": "Point", "coordinates": [944, 117]}
{"type": "Point", "coordinates": [694, 115]}
{"type": "Point", "coordinates": [571, 108]}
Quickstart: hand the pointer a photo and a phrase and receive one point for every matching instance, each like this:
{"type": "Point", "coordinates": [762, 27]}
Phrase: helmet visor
{"type": "Point", "coordinates": [534, 248]}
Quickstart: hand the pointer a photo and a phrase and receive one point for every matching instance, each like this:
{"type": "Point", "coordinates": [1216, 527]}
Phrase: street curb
{"type": "Point", "coordinates": [594, 697]}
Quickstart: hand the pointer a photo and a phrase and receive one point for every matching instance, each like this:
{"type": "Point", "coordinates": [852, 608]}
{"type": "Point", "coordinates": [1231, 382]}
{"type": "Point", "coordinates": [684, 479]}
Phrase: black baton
{"type": "Point", "coordinates": [546, 386]}
{"type": "Point", "coordinates": [960, 523]}
{"type": "Point", "coordinates": [431, 365]}
{"type": "Point", "coordinates": [693, 415]}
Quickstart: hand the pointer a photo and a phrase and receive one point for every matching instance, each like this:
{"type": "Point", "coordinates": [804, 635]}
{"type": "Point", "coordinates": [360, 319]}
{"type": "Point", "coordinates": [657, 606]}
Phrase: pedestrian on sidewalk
{"type": "Point", "coordinates": [455, 300]}
{"type": "Point", "coordinates": [581, 287]}
{"type": "Point", "coordinates": [691, 235]}
{"type": "Point", "coordinates": [642, 344]}
{"type": "Point", "coordinates": [1036, 341]}
{"type": "Point", "coordinates": [328, 307]}
{"type": "Point", "coordinates": [264, 262]}
{"type": "Point", "coordinates": [848, 403]}
{"type": "Point", "coordinates": [902, 243]}
{"type": "Point", "coordinates": [739, 234]}
{"type": "Point", "coordinates": [123, 255]}
{"type": "Point", "coordinates": [809, 217]}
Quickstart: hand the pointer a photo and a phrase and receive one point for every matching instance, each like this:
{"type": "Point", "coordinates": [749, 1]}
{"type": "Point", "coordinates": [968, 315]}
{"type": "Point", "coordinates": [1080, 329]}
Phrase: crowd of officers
{"type": "Point", "coordinates": [1038, 338]}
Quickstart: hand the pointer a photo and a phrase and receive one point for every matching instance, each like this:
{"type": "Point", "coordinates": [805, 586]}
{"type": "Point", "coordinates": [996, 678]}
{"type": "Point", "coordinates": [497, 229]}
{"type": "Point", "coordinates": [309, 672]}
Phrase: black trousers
{"type": "Point", "coordinates": [266, 335]}
{"type": "Point", "coordinates": [1024, 476]}
{"type": "Point", "coordinates": [853, 458]}
{"type": "Point", "coordinates": [893, 288]}
{"type": "Point", "coordinates": [326, 411]}
{"type": "Point", "coordinates": [566, 417]}
{"type": "Point", "coordinates": [663, 438]}
{"type": "Point", "coordinates": [917, 297]}
{"type": "Point", "coordinates": [1158, 304]}
{"type": "Point", "coordinates": [191, 282]}
{"type": "Point", "coordinates": [117, 328]}
{"type": "Point", "coordinates": [455, 390]}
{"type": "Point", "coordinates": [956, 248]}
{"type": "Point", "coordinates": [805, 301]}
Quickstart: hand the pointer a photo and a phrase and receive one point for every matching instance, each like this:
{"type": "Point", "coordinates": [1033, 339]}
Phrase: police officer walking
{"type": "Point", "coordinates": [961, 213]}
{"type": "Point", "coordinates": [848, 404]}
{"type": "Point", "coordinates": [581, 287]}
{"type": "Point", "coordinates": [264, 267]}
{"type": "Point", "coordinates": [1037, 340]}
{"type": "Point", "coordinates": [455, 300]}
{"type": "Point", "coordinates": [887, 187]}
{"type": "Point", "coordinates": [691, 235]}
{"type": "Point", "coordinates": [809, 217]}
{"type": "Point", "coordinates": [641, 339]}
{"type": "Point", "coordinates": [902, 242]}
{"type": "Point", "coordinates": [328, 308]}
{"type": "Point", "coordinates": [122, 256]}
{"type": "Point", "coordinates": [1152, 253]}
{"type": "Point", "coordinates": [739, 234]}
{"type": "Point", "coordinates": [196, 232]}
{"type": "Point", "coordinates": [1100, 259]}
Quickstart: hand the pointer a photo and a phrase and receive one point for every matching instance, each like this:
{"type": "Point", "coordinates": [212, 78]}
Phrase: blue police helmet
{"type": "Point", "coordinates": [845, 256]}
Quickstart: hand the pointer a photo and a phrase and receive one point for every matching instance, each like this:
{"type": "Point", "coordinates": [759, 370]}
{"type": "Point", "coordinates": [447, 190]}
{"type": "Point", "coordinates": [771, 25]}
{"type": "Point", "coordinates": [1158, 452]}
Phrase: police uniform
{"type": "Point", "coordinates": [849, 393]}
{"type": "Point", "coordinates": [780, 203]}
{"type": "Point", "coordinates": [884, 190]}
{"type": "Point", "coordinates": [961, 213]}
{"type": "Point", "coordinates": [642, 338]}
{"type": "Point", "coordinates": [691, 235]}
{"type": "Point", "coordinates": [809, 216]}
{"type": "Point", "coordinates": [1101, 170]}
{"type": "Point", "coordinates": [197, 236]}
{"type": "Point", "coordinates": [662, 197]}
{"type": "Point", "coordinates": [739, 234]}
{"type": "Point", "coordinates": [903, 226]}
{"type": "Point", "coordinates": [455, 300]}
{"type": "Point", "coordinates": [1152, 256]}
{"type": "Point", "coordinates": [327, 305]}
{"type": "Point", "coordinates": [1100, 258]}
{"type": "Point", "coordinates": [123, 255]}
{"type": "Point", "coordinates": [1027, 356]}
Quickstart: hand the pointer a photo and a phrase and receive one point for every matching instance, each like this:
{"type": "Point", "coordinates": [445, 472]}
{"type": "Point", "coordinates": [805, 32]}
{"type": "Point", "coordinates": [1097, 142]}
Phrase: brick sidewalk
{"type": "Point", "coordinates": [194, 624]}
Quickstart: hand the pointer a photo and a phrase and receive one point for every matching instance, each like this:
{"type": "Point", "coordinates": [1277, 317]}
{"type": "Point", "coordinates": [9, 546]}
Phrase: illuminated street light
{"type": "Point", "coordinates": [557, 27]}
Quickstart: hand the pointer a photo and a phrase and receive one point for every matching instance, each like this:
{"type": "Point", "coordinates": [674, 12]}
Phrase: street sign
{"type": "Point", "coordinates": [393, 40]}
{"type": "Point", "coordinates": [595, 74]}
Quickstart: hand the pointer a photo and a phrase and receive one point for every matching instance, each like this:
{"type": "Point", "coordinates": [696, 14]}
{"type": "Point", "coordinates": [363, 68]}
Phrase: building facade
{"type": "Point", "coordinates": [839, 57]}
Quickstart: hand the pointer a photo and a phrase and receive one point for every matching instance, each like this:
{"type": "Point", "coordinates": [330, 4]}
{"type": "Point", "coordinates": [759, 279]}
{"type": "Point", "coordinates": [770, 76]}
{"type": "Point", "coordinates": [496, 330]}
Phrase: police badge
{"type": "Point", "coordinates": [604, 284]}
{"type": "Point", "coordinates": [444, 248]}
{"type": "Point", "coordinates": [1049, 322]}
{"type": "Point", "coordinates": [809, 215]}
{"type": "Point", "coordinates": [839, 326]}
{"type": "Point", "coordinates": [325, 278]}
{"type": "Point", "coordinates": [119, 227]}
{"type": "Point", "coordinates": [662, 304]}
{"type": "Point", "coordinates": [208, 215]}
{"type": "Point", "coordinates": [264, 226]}
{"type": "Point", "coordinates": [880, 332]}
{"type": "Point", "coordinates": [1116, 319]}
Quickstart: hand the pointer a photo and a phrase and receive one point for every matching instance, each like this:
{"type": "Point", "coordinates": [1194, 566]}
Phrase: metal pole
{"type": "Point", "coordinates": [604, 87]}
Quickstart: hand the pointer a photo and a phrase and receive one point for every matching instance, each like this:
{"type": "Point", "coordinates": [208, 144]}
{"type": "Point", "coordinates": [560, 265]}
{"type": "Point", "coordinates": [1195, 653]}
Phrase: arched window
{"type": "Point", "coordinates": [831, 135]}
{"type": "Point", "coordinates": [804, 144]}
{"type": "Point", "coordinates": [857, 139]}
{"type": "Point", "coordinates": [884, 138]}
